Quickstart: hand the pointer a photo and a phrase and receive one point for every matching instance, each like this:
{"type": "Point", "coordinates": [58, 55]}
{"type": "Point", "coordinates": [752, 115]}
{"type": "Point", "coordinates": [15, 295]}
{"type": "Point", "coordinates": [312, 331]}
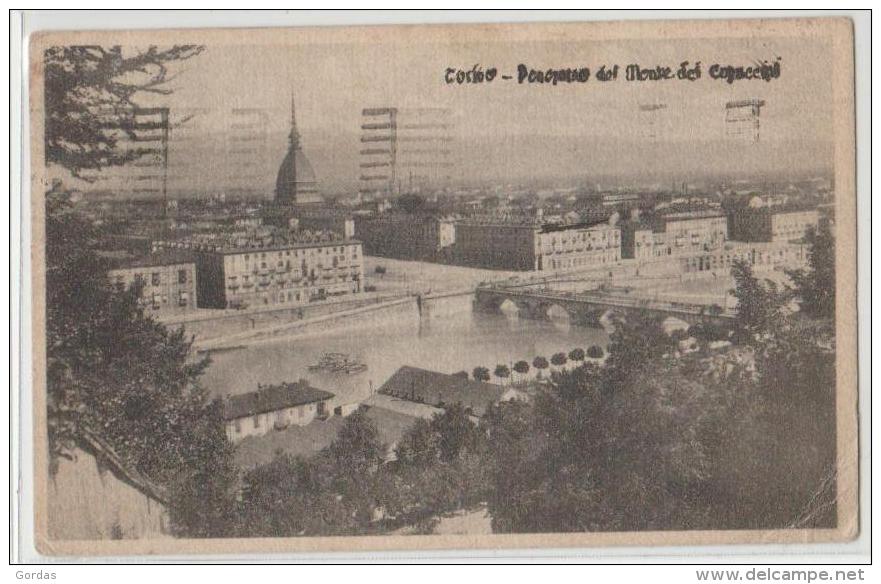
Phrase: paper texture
{"type": "Point", "coordinates": [462, 287]}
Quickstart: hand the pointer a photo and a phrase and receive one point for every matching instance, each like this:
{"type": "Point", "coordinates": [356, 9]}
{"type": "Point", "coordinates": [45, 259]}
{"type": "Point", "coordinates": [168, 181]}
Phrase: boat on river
{"type": "Point", "coordinates": [338, 363]}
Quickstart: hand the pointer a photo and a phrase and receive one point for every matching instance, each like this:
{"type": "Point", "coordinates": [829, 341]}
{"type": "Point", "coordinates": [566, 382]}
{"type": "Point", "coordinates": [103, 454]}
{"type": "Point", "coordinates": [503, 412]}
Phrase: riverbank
{"type": "Point", "coordinates": [306, 326]}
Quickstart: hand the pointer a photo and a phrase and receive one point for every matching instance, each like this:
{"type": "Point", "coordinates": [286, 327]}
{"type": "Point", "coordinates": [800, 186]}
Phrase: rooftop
{"type": "Point", "coordinates": [272, 398]}
{"type": "Point", "coordinates": [163, 258]}
{"type": "Point", "coordinates": [309, 440]}
{"type": "Point", "coordinates": [231, 250]}
{"type": "Point", "coordinates": [698, 214]}
{"type": "Point", "coordinates": [554, 227]}
{"type": "Point", "coordinates": [435, 388]}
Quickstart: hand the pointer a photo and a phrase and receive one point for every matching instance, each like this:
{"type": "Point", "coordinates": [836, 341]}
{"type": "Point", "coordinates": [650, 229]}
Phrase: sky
{"type": "Point", "coordinates": [505, 132]}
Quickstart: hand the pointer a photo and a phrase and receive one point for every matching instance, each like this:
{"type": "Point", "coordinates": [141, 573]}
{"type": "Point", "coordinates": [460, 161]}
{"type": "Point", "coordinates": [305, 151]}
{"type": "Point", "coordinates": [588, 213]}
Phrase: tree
{"type": "Point", "coordinates": [585, 456]}
{"type": "Point", "coordinates": [111, 370]}
{"type": "Point", "coordinates": [521, 367]}
{"type": "Point", "coordinates": [116, 373]}
{"type": "Point", "coordinates": [814, 286]}
{"type": "Point", "coordinates": [91, 97]}
{"type": "Point", "coordinates": [502, 371]}
{"type": "Point", "coordinates": [461, 374]}
{"type": "Point", "coordinates": [439, 467]}
{"type": "Point", "coordinates": [595, 352]}
{"type": "Point", "coordinates": [577, 355]}
{"type": "Point", "coordinates": [758, 303]}
{"type": "Point", "coordinates": [541, 364]}
{"type": "Point", "coordinates": [559, 359]}
{"type": "Point", "coordinates": [480, 374]}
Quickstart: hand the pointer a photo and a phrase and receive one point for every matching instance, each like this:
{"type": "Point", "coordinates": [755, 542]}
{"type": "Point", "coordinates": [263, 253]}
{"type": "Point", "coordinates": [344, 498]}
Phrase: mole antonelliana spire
{"type": "Point", "coordinates": [296, 179]}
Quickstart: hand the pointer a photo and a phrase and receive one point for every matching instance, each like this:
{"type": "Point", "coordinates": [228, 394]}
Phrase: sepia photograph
{"type": "Point", "coordinates": [443, 286]}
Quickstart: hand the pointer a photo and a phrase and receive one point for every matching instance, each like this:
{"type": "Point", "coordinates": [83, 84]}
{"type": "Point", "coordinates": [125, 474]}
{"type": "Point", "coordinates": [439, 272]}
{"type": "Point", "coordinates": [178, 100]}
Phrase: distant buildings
{"type": "Point", "coordinates": [758, 255]}
{"type": "Point", "coordinates": [404, 150]}
{"type": "Point", "coordinates": [673, 234]}
{"type": "Point", "coordinates": [273, 407]}
{"type": "Point", "coordinates": [168, 281]}
{"type": "Point", "coordinates": [406, 235]}
{"type": "Point", "coordinates": [756, 224]}
{"type": "Point", "coordinates": [295, 273]}
{"type": "Point", "coordinates": [312, 218]}
{"type": "Point", "coordinates": [527, 244]}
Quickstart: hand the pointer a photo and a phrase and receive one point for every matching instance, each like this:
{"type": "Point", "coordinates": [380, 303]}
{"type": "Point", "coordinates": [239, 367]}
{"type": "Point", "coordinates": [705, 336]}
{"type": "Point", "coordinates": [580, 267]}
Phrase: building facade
{"type": "Point", "coordinates": [573, 247]}
{"type": "Point", "coordinates": [274, 407]}
{"type": "Point", "coordinates": [406, 235]}
{"type": "Point", "coordinates": [673, 234]}
{"type": "Point", "coordinates": [637, 241]}
{"type": "Point", "coordinates": [760, 256]}
{"type": "Point", "coordinates": [168, 281]}
{"type": "Point", "coordinates": [292, 274]}
{"type": "Point", "coordinates": [765, 224]}
{"type": "Point", "coordinates": [530, 246]}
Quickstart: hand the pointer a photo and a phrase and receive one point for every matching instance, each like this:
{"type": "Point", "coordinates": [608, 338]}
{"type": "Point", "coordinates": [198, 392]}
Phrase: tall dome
{"type": "Point", "coordinates": [296, 179]}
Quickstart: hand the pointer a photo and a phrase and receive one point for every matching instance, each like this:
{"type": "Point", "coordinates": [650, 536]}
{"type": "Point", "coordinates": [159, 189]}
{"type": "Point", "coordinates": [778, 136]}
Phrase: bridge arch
{"type": "Point", "coordinates": [509, 307]}
{"type": "Point", "coordinates": [557, 312]}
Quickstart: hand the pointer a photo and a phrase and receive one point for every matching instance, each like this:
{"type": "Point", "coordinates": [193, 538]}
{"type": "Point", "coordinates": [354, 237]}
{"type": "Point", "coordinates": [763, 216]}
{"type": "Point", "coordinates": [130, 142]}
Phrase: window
{"type": "Point", "coordinates": [184, 299]}
{"type": "Point", "coordinates": [257, 420]}
{"type": "Point", "coordinates": [156, 278]}
{"type": "Point", "coordinates": [181, 276]}
{"type": "Point", "coordinates": [238, 426]}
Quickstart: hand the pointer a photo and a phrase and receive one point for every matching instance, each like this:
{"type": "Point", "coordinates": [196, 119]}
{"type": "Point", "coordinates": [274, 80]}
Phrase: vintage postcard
{"type": "Point", "coordinates": [444, 287]}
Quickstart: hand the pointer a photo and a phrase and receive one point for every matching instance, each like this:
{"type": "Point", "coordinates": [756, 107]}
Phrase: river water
{"type": "Point", "coordinates": [447, 337]}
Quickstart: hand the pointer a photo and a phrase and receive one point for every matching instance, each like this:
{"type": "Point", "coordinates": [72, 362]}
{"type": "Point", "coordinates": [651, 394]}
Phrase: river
{"type": "Point", "coordinates": [447, 337]}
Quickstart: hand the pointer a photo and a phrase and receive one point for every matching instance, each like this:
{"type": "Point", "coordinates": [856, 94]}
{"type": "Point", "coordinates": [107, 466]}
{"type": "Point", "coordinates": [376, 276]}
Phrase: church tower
{"type": "Point", "coordinates": [296, 180]}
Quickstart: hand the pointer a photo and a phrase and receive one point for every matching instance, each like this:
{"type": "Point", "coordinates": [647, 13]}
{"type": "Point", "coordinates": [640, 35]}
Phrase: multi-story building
{"type": "Point", "coordinates": [693, 230]}
{"type": "Point", "coordinates": [572, 247]}
{"type": "Point", "coordinates": [760, 255]}
{"type": "Point", "coordinates": [638, 241]}
{"type": "Point", "coordinates": [273, 407]}
{"type": "Point", "coordinates": [406, 235]}
{"type": "Point", "coordinates": [526, 244]}
{"type": "Point", "coordinates": [771, 224]}
{"type": "Point", "coordinates": [673, 234]}
{"type": "Point", "coordinates": [286, 274]}
{"type": "Point", "coordinates": [168, 281]}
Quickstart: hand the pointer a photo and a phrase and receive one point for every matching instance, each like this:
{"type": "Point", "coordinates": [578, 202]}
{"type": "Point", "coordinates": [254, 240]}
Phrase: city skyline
{"type": "Point", "coordinates": [503, 131]}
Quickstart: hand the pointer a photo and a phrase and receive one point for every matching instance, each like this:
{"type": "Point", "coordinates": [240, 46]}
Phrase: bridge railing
{"type": "Point", "coordinates": [612, 300]}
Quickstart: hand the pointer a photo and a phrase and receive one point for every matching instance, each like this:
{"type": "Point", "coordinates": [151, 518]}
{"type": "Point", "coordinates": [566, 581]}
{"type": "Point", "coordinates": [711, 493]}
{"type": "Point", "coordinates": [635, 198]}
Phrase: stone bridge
{"type": "Point", "coordinates": [588, 308]}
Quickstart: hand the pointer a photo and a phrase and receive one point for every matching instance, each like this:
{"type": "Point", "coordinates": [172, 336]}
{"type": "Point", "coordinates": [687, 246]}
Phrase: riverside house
{"type": "Point", "coordinates": [274, 407]}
